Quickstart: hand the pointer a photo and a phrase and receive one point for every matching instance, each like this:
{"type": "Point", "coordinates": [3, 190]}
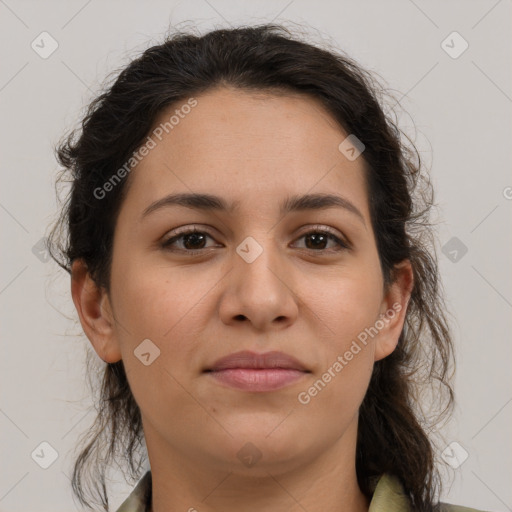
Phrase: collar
{"type": "Point", "coordinates": [387, 497]}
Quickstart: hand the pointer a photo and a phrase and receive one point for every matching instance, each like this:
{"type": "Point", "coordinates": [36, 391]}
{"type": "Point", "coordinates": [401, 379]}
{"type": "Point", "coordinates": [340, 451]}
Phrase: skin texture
{"type": "Point", "coordinates": [307, 300]}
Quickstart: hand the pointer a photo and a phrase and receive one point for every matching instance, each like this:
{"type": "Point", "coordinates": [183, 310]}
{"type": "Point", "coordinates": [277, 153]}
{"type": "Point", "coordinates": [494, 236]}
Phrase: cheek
{"type": "Point", "coordinates": [167, 311]}
{"type": "Point", "coordinates": [346, 313]}
{"type": "Point", "coordinates": [347, 304]}
{"type": "Point", "coordinates": [154, 300]}
{"type": "Point", "coordinates": [347, 358]}
{"type": "Point", "coordinates": [331, 401]}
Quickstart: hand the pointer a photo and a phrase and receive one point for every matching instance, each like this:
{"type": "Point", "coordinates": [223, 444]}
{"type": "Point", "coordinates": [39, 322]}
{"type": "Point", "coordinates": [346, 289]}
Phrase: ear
{"type": "Point", "coordinates": [394, 309]}
{"type": "Point", "coordinates": [93, 306]}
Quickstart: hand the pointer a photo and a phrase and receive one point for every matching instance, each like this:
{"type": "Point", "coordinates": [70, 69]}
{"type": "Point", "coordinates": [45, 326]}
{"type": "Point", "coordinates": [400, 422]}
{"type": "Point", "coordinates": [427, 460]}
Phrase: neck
{"type": "Point", "coordinates": [326, 481]}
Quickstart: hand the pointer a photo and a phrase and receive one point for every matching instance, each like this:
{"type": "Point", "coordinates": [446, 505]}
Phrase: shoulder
{"type": "Point", "coordinates": [389, 496]}
{"type": "Point", "coordinates": [139, 499]}
{"type": "Point", "coordinates": [448, 507]}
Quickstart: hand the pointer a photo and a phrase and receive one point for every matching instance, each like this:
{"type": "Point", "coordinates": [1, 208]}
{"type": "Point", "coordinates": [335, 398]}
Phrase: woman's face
{"type": "Point", "coordinates": [259, 278]}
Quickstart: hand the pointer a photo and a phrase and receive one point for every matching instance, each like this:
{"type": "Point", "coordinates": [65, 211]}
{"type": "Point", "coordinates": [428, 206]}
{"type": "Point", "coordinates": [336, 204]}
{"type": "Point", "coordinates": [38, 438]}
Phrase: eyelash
{"type": "Point", "coordinates": [192, 252]}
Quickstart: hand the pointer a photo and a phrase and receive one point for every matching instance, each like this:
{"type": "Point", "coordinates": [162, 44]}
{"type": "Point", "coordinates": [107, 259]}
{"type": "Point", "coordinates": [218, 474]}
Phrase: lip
{"type": "Point", "coordinates": [254, 360]}
{"type": "Point", "coordinates": [250, 371]}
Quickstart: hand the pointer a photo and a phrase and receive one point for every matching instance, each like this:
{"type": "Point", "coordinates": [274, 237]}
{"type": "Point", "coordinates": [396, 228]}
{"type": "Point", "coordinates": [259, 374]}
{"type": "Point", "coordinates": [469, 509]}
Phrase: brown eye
{"type": "Point", "coordinates": [317, 240]}
{"type": "Point", "coordinates": [191, 240]}
{"type": "Point", "coordinates": [194, 240]}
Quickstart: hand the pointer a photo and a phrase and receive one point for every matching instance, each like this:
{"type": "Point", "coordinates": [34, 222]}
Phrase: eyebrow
{"type": "Point", "coordinates": [209, 202]}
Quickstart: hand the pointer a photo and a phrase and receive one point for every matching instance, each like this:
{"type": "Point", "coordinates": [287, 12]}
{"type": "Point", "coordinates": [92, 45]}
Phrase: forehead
{"type": "Point", "coordinates": [243, 120]}
{"type": "Point", "coordinates": [249, 147]}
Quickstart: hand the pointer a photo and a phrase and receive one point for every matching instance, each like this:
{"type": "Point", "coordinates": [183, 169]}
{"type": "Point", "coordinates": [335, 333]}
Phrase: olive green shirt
{"type": "Point", "coordinates": [387, 497]}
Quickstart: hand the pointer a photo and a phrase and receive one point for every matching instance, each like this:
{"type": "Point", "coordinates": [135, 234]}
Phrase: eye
{"type": "Point", "coordinates": [316, 239]}
{"type": "Point", "coordinates": [192, 241]}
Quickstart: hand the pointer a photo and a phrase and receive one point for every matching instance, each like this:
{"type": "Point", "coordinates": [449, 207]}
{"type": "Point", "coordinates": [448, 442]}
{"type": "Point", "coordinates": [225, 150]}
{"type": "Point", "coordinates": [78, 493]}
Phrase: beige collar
{"type": "Point", "coordinates": [387, 497]}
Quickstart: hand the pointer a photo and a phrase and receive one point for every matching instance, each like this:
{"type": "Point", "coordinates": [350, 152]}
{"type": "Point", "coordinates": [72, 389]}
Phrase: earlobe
{"type": "Point", "coordinates": [93, 306]}
{"type": "Point", "coordinates": [394, 309]}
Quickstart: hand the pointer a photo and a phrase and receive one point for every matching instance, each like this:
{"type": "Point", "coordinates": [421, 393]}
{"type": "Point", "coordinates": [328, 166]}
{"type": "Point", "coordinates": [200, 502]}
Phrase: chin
{"type": "Point", "coordinates": [262, 445]}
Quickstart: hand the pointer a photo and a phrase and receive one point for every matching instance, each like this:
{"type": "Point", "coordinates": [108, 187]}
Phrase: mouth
{"type": "Point", "coordinates": [250, 371]}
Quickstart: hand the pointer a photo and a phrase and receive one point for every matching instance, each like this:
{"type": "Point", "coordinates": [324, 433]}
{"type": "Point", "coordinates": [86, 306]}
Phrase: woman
{"type": "Point", "coordinates": [248, 246]}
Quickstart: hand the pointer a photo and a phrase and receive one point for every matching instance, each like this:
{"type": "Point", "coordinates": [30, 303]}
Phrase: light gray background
{"type": "Point", "coordinates": [461, 108]}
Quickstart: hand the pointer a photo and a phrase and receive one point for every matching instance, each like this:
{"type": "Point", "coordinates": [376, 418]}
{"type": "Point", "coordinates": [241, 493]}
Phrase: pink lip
{"type": "Point", "coordinates": [257, 380]}
{"type": "Point", "coordinates": [250, 371]}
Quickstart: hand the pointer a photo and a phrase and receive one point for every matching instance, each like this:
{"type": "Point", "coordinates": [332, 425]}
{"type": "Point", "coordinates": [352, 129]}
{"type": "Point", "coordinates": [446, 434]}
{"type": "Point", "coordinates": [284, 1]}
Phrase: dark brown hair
{"type": "Point", "coordinates": [394, 431]}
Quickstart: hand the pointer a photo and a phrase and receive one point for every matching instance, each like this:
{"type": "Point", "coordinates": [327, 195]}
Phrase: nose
{"type": "Point", "coordinates": [261, 291]}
